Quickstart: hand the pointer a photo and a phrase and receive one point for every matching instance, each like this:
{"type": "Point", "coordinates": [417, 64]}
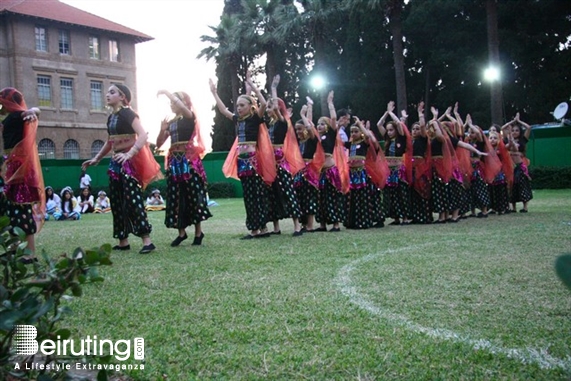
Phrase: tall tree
{"type": "Point", "coordinates": [392, 11]}
{"type": "Point", "coordinates": [315, 19]}
{"type": "Point", "coordinates": [233, 52]}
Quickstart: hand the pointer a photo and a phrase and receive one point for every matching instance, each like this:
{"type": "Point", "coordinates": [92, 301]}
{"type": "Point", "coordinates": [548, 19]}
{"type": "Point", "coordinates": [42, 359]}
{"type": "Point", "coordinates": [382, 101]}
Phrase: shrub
{"type": "Point", "coordinates": [33, 295]}
{"type": "Point", "coordinates": [221, 190]}
{"type": "Point", "coordinates": [550, 177]}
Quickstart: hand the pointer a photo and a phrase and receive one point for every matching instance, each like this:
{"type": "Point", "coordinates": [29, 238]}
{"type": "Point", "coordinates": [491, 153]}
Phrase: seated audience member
{"type": "Point", "coordinates": [102, 203]}
{"type": "Point", "coordinates": [155, 201]}
{"type": "Point", "coordinates": [69, 206]}
{"type": "Point", "coordinates": [53, 204]}
{"type": "Point", "coordinates": [85, 201]}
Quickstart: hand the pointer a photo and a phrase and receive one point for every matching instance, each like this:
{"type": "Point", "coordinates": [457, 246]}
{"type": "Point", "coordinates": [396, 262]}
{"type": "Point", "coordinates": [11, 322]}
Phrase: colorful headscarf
{"type": "Point", "coordinates": [24, 179]}
{"type": "Point", "coordinates": [12, 100]}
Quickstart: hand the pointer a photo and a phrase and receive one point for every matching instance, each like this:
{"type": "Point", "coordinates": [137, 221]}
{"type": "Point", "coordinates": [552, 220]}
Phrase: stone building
{"type": "Point", "coordinates": [63, 60]}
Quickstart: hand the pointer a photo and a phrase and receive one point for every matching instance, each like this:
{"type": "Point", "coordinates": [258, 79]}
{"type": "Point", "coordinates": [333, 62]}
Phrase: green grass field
{"type": "Point", "coordinates": [477, 300]}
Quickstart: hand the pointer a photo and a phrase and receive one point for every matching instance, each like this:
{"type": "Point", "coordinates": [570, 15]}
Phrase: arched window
{"type": "Point", "coordinates": [71, 149]}
{"type": "Point", "coordinates": [96, 147]}
{"type": "Point", "coordinates": [47, 149]}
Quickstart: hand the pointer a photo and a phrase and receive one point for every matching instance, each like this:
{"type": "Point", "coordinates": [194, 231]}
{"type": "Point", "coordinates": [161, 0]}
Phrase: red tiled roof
{"type": "Point", "coordinates": [58, 11]}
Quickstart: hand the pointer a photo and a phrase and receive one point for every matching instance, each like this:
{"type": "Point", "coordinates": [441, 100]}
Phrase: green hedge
{"type": "Point", "coordinates": [541, 178]}
{"type": "Point", "coordinates": [550, 177]}
{"type": "Point", "coordinates": [215, 189]}
{"type": "Point", "coordinates": [221, 190]}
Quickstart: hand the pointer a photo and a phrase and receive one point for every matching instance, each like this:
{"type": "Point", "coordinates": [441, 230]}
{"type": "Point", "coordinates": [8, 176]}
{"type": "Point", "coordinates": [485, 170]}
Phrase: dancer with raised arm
{"type": "Point", "coordinates": [398, 152]}
{"type": "Point", "coordinates": [421, 171]}
{"type": "Point", "coordinates": [334, 179]}
{"type": "Point", "coordinates": [484, 169]}
{"type": "Point", "coordinates": [518, 133]}
{"type": "Point", "coordinates": [282, 197]}
{"type": "Point", "coordinates": [131, 168]}
{"type": "Point", "coordinates": [499, 188]}
{"type": "Point", "coordinates": [365, 175]}
{"type": "Point", "coordinates": [251, 158]}
{"type": "Point", "coordinates": [187, 201]}
{"type": "Point", "coordinates": [306, 181]}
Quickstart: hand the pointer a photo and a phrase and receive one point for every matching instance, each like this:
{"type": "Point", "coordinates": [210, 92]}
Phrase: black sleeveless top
{"type": "Point", "coordinates": [328, 140]}
{"type": "Point", "coordinates": [120, 123]}
{"type": "Point", "coordinates": [419, 146]}
{"type": "Point", "coordinates": [277, 131]}
{"type": "Point", "coordinates": [181, 130]}
{"type": "Point", "coordinates": [13, 131]}
{"type": "Point", "coordinates": [308, 148]}
{"type": "Point", "coordinates": [395, 147]}
{"type": "Point", "coordinates": [248, 128]}
{"type": "Point", "coordinates": [359, 149]}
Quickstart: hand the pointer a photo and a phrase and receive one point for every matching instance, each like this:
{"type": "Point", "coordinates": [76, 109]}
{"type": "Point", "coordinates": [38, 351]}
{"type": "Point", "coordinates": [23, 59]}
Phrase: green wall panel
{"type": "Point", "coordinates": [61, 173]}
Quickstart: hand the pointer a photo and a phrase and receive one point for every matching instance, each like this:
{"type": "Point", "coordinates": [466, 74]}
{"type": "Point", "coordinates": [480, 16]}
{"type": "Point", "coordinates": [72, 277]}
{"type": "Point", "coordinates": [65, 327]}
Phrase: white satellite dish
{"type": "Point", "coordinates": [560, 110]}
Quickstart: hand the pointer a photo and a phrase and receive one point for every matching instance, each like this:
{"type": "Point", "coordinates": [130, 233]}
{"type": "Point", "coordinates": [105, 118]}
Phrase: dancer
{"type": "Point", "coordinates": [365, 175]}
{"type": "Point", "coordinates": [398, 152]}
{"type": "Point", "coordinates": [517, 144]}
{"type": "Point", "coordinates": [187, 198]}
{"type": "Point", "coordinates": [458, 193]}
{"type": "Point", "coordinates": [24, 190]}
{"type": "Point", "coordinates": [282, 197]}
{"type": "Point", "coordinates": [484, 170]}
{"type": "Point", "coordinates": [131, 168]}
{"type": "Point", "coordinates": [421, 171]}
{"type": "Point", "coordinates": [502, 183]}
{"type": "Point", "coordinates": [306, 181]}
{"type": "Point", "coordinates": [251, 158]}
{"type": "Point", "coordinates": [334, 178]}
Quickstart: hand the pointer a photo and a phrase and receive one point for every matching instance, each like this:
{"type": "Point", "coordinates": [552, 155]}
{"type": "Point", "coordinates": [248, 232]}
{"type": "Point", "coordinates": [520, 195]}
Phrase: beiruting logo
{"type": "Point", "coordinates": [25, 343]}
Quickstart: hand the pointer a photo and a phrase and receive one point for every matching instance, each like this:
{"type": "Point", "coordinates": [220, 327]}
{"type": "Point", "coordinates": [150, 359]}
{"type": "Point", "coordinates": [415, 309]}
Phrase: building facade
{"type": "Point", "coordinates": [63, 60]}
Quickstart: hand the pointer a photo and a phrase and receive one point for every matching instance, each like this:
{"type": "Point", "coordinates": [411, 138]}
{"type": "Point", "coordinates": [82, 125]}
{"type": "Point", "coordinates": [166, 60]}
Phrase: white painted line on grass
{"type": "Point", "coordinates": [525, 355]}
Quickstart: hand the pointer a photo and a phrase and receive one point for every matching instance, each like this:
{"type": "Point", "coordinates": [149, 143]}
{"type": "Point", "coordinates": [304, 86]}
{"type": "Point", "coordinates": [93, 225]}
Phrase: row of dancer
{"type": "Point", "coordinates": [299, 173]}
{"type": "Point", "coordinates": [436, 169]}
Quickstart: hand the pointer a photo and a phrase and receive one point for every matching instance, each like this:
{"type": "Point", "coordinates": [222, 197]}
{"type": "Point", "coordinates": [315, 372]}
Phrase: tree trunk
{"type": "Point", "coordinates": [271, 69]}
{"type": "Point", "coordinates": [496, 96]}
{"type": "Point", "coordinates": [398, 54]}
{"type": "Point", "coordinates": [426, 91]}
{"type": "Point", "coordinates": [322, 109]}
{"type": "Point", "coordinates": [236, 86]}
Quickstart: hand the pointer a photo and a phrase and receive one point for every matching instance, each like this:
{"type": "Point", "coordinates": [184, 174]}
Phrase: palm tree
{"type": "Point", "coordinates": [226, 48]}
{"type": "Point", "coordinates": [315, 22]}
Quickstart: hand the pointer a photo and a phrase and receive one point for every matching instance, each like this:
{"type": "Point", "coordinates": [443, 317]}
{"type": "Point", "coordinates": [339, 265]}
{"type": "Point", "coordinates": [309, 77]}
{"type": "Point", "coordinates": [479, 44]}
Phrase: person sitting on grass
{"type": "Point", "coordinates": [85, 201]}
{"type": "Point", "coordinates": [102, 203]}
{"type": "Point", "coordinates": [69, 206]}
{"type": "Point", "coordinates": [155, 202]}
{"type": "Point", "coordinates": [53, 204]}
